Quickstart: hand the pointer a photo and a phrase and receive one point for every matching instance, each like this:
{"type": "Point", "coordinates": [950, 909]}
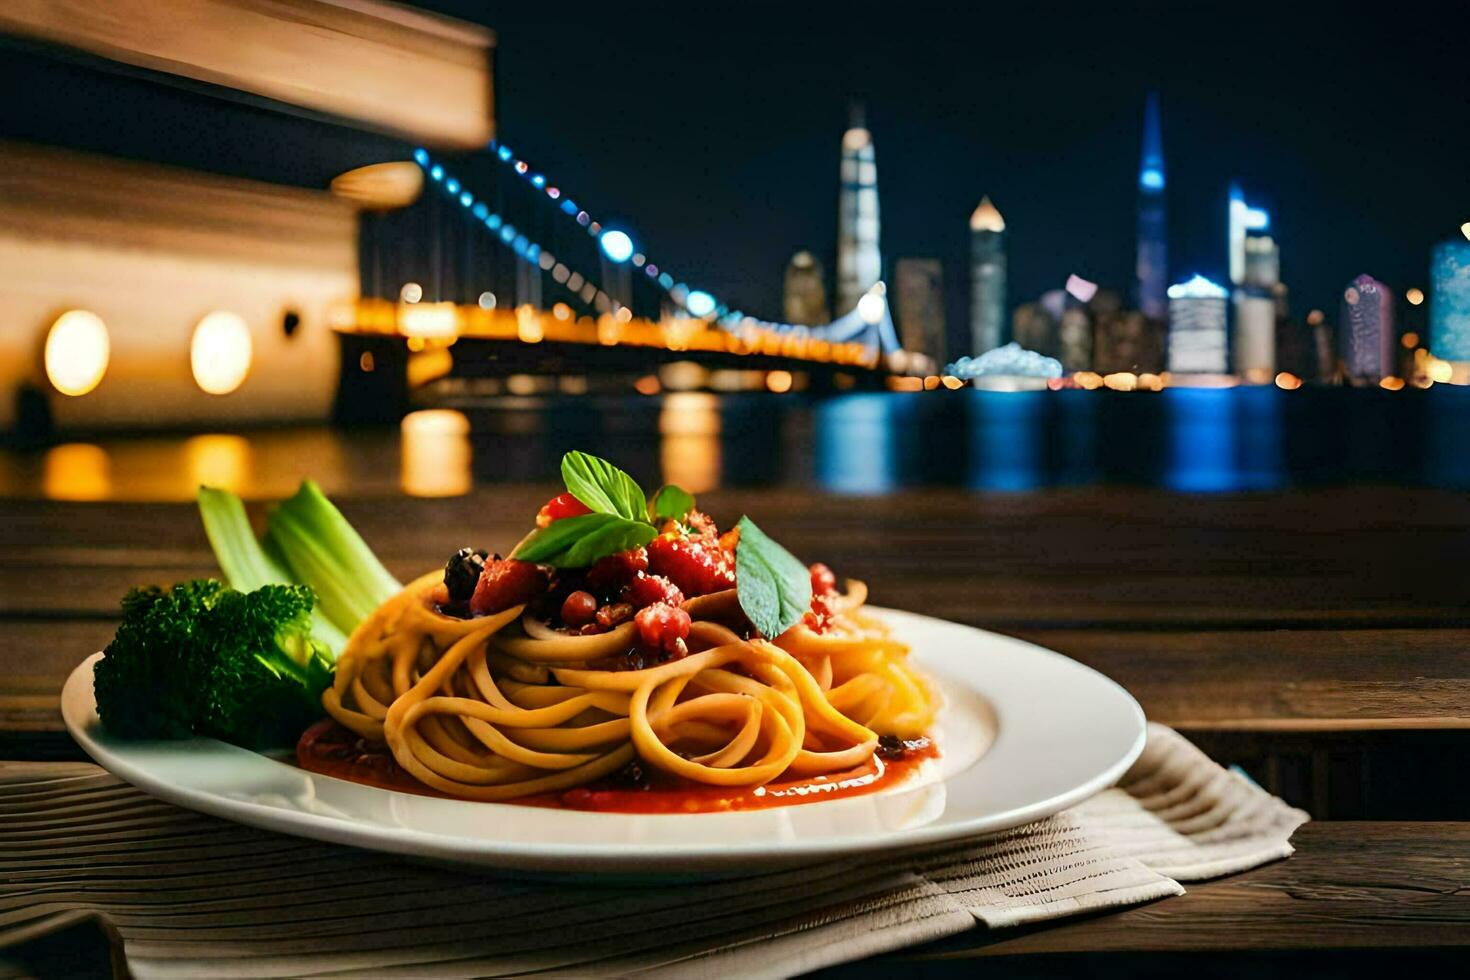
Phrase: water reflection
{"type": "Point", "coordinates": [855, 437]}
{"type": "Point", "coordinates": [436, 453]}
{"type": "Point", "coordinates": [1007, 441]}
{"type": "Point", "coordinates": [1223, 439]}
{"type": "Point", "coordinates": [76, 471]}
{"type": "Point", "coordinates": [1187, 439]}
{"type": "Point", "coordinates": [690, 453]}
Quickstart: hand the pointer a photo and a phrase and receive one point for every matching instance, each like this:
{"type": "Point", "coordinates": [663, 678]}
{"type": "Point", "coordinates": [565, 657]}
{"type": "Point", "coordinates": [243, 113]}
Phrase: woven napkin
{"type": "Point", "coordinates": [189, 895]}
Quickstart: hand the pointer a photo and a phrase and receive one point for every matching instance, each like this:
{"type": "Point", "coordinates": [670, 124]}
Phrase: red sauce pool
{"type": "Point", "coordinates": [331, 750]}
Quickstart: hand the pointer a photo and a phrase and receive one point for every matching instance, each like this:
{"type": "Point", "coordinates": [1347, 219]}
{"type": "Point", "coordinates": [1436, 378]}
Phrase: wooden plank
{"type": "Point", "coordinates": [1349, 886]}
{"type": "Point", "coordinates": [415, 73]}
{"type": "Point", "coordinates": [1283, 680]}
{"type": "Point", "coordinates": [1124, 558]}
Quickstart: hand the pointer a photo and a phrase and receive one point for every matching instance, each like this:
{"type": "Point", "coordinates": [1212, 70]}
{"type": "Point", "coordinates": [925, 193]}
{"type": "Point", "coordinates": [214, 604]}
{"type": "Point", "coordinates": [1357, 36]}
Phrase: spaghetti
{"type": "Point", "coordinates": [495, 708]}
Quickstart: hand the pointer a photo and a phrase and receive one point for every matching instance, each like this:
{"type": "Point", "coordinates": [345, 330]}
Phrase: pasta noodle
{"type": "Point", "coordinates": [503, 705]}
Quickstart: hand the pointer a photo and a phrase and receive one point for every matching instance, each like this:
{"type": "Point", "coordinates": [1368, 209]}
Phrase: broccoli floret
{"type": "Point", "coordinates": [146, 682]}
{"type": "Point", "coordinates": [204, 659]}
{"type": "Point", "coordinates": [267, 672]}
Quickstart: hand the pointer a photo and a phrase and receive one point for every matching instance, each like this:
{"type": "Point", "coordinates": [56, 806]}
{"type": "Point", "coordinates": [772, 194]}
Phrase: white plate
{"type": "Point", "coordinates": [1024, 733]}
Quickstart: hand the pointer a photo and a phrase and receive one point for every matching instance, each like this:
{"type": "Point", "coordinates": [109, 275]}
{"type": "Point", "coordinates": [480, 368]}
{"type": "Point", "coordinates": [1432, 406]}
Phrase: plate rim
{"type": "Point", "coordinates": [558, 856]}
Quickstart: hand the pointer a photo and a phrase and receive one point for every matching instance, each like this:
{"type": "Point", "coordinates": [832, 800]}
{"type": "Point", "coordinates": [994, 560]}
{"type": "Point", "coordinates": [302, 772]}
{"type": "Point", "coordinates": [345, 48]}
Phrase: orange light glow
{"type": "Point", "coordinates": [77, 352]}
{"type": "Point", "coordinates": [366, 363]}
{"type": "Point", "coordinates": [951, 382]}
{"type": "Point", "coordinates": [1391, 384]}
{"type": "Point", "coordinates": [647, 385]}
{"type": "Point", "coordinates": [436, 453]}
{"type": "Point", "coordinates": [1414, 295]}
{"type": "Point", "coordinates": [778, 381]}
{"type": "Point", "coordinates": [1287, 381]}
{"type": "Point", "coordinates": [76, 471]}
{"type": "Point", "coordinates": [1088, 379]}
{"type": "Point", "coordinates": [1411, 340]}
{"type": "Point", "coordinates": [1121, 381]}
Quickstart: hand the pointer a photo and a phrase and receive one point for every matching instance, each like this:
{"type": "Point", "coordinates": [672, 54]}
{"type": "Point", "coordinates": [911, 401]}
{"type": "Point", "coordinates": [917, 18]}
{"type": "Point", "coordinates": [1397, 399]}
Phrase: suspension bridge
{"type": "Point", "coordinates": [496, 260]}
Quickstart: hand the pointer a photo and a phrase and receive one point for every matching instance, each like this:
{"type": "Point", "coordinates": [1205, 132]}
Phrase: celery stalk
{"type": "Point", "coordinates": [245, 563]}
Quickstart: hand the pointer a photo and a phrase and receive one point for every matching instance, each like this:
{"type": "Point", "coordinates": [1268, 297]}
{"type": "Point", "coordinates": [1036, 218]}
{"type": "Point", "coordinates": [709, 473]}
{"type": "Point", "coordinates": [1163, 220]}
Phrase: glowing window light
{"type": "Point", "coordinates": [77, 352]}
{"type": "Point", "coordinates": [220, 353]}
{"type": "Point", "coordinates": [699, 303]}
{"type": "Point", "coordinates": [411, 292]}
{"type": "Point", "coordinates": [616, 245]}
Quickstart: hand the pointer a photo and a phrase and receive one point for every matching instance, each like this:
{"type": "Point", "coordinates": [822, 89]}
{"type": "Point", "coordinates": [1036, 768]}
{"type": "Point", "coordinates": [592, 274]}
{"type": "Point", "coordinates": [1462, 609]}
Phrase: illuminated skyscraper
{"type": "Point", "coordinates": [919, 288]}
{"type": "Point", "coordinates": [987, 278]}
{"type": "Point", "coordinates": [859, 263]}
{"type": "Point", "coordinates": [1256, 303]}
{"type": "Point", "coordinates": [1367, 336]}
{"type": "Point", "coordinates": [1153, 248]}
{"type": "Point", "coordinates": [805, 294]}
{"type": "Point", "coordinates": [1242, 218]}
{"type": "Point", "coordinates": [1449, 300]}
{"type": "Point", "coordinates": [1197, 327]}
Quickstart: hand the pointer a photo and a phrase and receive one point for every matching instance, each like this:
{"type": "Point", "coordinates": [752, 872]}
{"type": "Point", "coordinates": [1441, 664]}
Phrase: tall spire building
{"type": "Point", "coordinates": [987, 278]}
{"type": "Point", "coordinates": [859, 264]}
{"type": "Point", "coordinates": [1153, 248]}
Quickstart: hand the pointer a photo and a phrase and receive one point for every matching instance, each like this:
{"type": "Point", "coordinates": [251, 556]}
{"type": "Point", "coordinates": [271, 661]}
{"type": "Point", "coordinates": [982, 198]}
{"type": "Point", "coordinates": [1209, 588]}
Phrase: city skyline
{"type": "Point", "coordinates": [1363, 173]}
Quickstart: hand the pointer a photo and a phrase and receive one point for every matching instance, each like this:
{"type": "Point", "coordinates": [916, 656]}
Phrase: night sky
{"type": "Point", "coordinates": [711, 130]}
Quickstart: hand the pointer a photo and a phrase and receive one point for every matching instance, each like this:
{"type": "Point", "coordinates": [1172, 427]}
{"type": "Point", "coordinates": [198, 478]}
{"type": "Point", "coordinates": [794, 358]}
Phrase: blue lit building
{"type": "Point", "coordinates": [1449, 301]}
{"type": "Point", "coordinates": [1153, 247]}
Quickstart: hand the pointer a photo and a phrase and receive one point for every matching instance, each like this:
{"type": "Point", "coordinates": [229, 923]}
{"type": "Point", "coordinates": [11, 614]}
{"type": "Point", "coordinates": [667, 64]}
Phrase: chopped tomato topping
{"type": "Point", "coordinates": [505, 583]}
{"type": "Point", "coordinates": [562, 505]}
{"type": "Point", "coordinates": [664, 627]}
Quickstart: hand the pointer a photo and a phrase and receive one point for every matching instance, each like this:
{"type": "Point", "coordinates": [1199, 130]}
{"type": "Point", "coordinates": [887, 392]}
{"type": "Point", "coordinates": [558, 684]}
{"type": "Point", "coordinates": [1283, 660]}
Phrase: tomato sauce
{"type": "Point", "coordinates": [331, 750]}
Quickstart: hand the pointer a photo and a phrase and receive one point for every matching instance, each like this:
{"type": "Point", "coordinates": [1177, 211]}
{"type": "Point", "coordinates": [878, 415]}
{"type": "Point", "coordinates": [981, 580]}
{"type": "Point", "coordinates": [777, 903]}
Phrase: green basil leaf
{"type": "Point", "coordinates": [773, 586]}
{"type": "Point", "coordinates": [603, 487]}
{"type": "Point", "coordinates": [575, 542]}
{"type": "Point", "coordinates": [672, 502]}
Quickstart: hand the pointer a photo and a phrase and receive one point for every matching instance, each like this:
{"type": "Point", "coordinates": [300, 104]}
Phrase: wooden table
{"type": "Point", "coordinates": [1318, 638]}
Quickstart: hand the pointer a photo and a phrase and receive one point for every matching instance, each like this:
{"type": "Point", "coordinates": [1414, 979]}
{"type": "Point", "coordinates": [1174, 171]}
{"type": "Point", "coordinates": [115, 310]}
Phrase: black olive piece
{"type": "Point", "coordinates": [462, 573]}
